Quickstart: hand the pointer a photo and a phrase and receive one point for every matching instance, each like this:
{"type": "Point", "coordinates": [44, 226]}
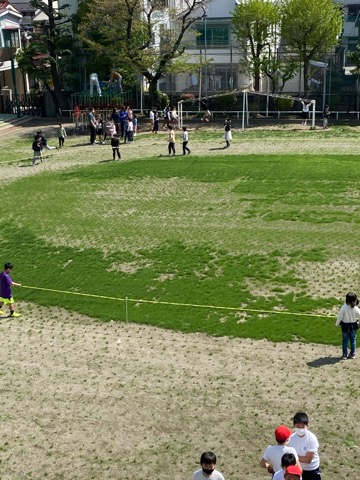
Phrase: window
{"type": "Point", "coordinates": [11, 38]}
{"type": "Point", "coordinates": [216, 35]}
{"type": "Point", "coordinates": [353, 13]}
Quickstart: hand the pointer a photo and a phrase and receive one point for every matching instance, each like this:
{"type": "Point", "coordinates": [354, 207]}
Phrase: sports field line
{"type": "Point", "coordinates": [178, 304]}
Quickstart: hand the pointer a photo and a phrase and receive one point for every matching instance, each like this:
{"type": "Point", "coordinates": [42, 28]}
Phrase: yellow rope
{"type": "Point", "coordinates": [194, 305]}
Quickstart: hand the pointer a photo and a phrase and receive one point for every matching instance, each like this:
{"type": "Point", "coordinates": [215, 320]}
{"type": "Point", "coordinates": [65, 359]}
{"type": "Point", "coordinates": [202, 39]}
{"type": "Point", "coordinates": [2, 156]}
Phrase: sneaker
{"type": "Point", "coordinates": [351, 356]}
{"type": "Point", "coordinates": [344, 357]}
{"type": "Point", "coordinates": [189, 152]}
{"type": "Point", "coordinates": [14, 314]}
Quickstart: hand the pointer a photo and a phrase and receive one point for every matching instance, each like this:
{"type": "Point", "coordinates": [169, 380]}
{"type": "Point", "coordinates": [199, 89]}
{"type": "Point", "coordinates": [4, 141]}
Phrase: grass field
{"type": "Point", "coordinates": [257, 233]}
{"type": "Point", "coordinates": [269, 225]}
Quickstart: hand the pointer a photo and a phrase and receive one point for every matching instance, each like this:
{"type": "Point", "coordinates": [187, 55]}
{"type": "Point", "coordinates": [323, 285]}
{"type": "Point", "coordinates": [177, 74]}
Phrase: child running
{"type": "Point", "coordinates": [5, 290]}
{"type": "Point", "coordinates": [37, 148]}
{"type": "Point", "coordinates": [185, 142]}
{"type": "Point", "coordinates": [115, 142]}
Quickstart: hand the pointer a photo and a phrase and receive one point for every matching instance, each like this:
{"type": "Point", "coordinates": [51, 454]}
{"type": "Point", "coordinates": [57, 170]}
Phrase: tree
{"type": "Point", "coordinates": [311, 28]}
{"type": "Point", "coordinates": [130, 29]}
{"type": "Point", "coordinates": [255, 22]}
{"type": "Point", "coordinates": [279, 71]}
{"type": "Point", "coordinates": [49, 44]}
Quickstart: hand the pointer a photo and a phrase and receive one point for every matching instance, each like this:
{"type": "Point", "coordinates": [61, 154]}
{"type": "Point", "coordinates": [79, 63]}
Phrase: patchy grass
{"type": "Point", "coordinates": [234, 232]}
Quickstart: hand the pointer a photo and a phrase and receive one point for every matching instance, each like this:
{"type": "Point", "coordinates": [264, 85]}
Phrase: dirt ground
{"type": "Point", "coordinates": [88, 400]}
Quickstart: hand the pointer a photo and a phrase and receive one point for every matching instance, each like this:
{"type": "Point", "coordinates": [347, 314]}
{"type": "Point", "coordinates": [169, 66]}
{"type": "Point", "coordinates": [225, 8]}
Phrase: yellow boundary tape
{"type": "Point", "coordinates": [177, 304]}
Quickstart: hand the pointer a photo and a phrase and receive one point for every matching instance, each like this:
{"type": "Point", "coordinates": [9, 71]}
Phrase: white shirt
{"type": "Point", "coordinates": [198, 475]}
{"type": "Point", "coordinates": [151, 115]}
{"type": "Point", "coordinates": [273, 455]}
{"type": "Point", "coordinates": [185, 136]}
{"type": "Point", "coordinates": [348, 314]}
{"type": "Point", "coordinates": [307, 443]}
{"type": "Point", "coordinates": [279, 475]}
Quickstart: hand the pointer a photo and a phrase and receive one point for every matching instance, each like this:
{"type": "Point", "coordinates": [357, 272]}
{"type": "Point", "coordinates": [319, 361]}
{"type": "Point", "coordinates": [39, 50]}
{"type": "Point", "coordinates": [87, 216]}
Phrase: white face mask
{"type": "Point", "coordinates": [300, 431]}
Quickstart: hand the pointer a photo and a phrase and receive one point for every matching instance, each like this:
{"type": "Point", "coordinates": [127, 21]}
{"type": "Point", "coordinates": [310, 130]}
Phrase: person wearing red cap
{"type": "Point", "coordinates": [272, 457]}
{"type": "Point", "coordinates": [293, 473]}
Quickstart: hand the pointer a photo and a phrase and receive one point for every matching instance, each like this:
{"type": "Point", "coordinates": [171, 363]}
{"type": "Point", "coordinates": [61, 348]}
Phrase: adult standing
{"type": "Point", "coordinates": [92, 125]}
{"type": "Point", "coordinates": [306, 446]}
{"type": "Point", "coordinates": [123, 113]}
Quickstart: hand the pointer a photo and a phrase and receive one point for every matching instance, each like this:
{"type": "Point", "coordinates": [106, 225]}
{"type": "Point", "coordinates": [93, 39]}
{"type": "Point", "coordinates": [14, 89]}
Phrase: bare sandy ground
{"type": "Point", "coordinates": [88, 400]}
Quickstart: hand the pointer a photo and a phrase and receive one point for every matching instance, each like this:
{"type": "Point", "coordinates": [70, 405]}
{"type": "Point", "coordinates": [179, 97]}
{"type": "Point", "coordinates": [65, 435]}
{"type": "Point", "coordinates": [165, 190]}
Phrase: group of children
{"type": "Point", "coordinates": [294, 457]}
{"type": "Point", "coordinates": [40, 142]}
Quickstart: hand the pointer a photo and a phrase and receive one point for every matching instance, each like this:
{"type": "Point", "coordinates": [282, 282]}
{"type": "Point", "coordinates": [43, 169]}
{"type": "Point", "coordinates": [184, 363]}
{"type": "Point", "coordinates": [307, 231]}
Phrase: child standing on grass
{"type": "Point", "coordinates": [171, 140]}
{"type": "Point", "coordinates": [37, 148]}
{"type": "Point", "coordinates": [207, 470]}
{"type": "Point", "coordinates": [115, 142]}
{"type": "Point", "coordinates": [61, 135]}
{"type": "Point", "coordinates": [348, 320]}
{"type": "Point", "coordinates": [5, 290]}
{"type": "Point", "coordinates": [227, 134]}
{"type": "Point", "coordinates": [185, 142]}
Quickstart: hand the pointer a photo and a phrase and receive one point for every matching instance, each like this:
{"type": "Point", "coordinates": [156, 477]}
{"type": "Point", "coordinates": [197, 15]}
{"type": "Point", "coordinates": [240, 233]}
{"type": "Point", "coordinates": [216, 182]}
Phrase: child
{"type": "Point", "coordinates": [347, 319]}
{"type": "Point", "coordinates": [207, 470]}
{"type": "Point", "coordinates": [44, 141]}
{"type": "Point", "coordinates": [306, 446]}
{"type": "Point", "coordinates": [185, 142]}
{"type": "Point", "coordinates": [110, 130]}
{"type": "Point", "coordinates": [115, 142]}
{"type": "Point", "coordinates": [5, 290]}
{"type": "Point", "coordinates": [61, 135]}
{"type": "Point", "coordinates": [272, 457]}
{"type": "Point", "coordinates": [171, 140]}
{"type": "Point", "coordinates": [130, 130]}
{"type": "Point", "coordinates": [37, 148]}
{"type": "Point", "coordinates": [287, 460]}
{"type": "Point", "coordinates": [135, 122]}
{"type": "Point", "coordinates": [227, 134]}
{"type": "Point", "coordinates": [100, 131]}
{"type": "Point", "coordinates": [207, 114]}
{"type": "Point", "coordinates": [293, 473]}
{"type": "Point", "coordinates": [326, 116]}
{"type": "Point", "coordinates": [156, 122]}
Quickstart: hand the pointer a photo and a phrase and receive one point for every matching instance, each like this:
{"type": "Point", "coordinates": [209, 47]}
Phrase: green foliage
{"type": "Point", "coordinates": [311, 28]}
{"type": "Point", "coordinates": [284, 103]}
{"type": "Point", "coordinates": [128, 31]}
{"type": "Point", "coordinates": [256, 21]}
{"type": "Point", "coordinates": [224, 102]}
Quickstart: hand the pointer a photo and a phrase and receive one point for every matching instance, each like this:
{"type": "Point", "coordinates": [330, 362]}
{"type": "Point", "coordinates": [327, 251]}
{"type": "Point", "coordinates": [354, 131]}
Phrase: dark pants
{"type": "Point", "coordinates": [122, 128]}
{"type": "Point", "coordinates": [116, 150]}
{"type": "Point", "coordinates": [92, 134]}
{"type": "Point", "coordinates": [185, 148]}
{"type": "Point", "coordinates": [311, 475]}
{"type": "Point", "coordinates": [61, 141]}
{"type": "Point", "coordinates": [171, 148]}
